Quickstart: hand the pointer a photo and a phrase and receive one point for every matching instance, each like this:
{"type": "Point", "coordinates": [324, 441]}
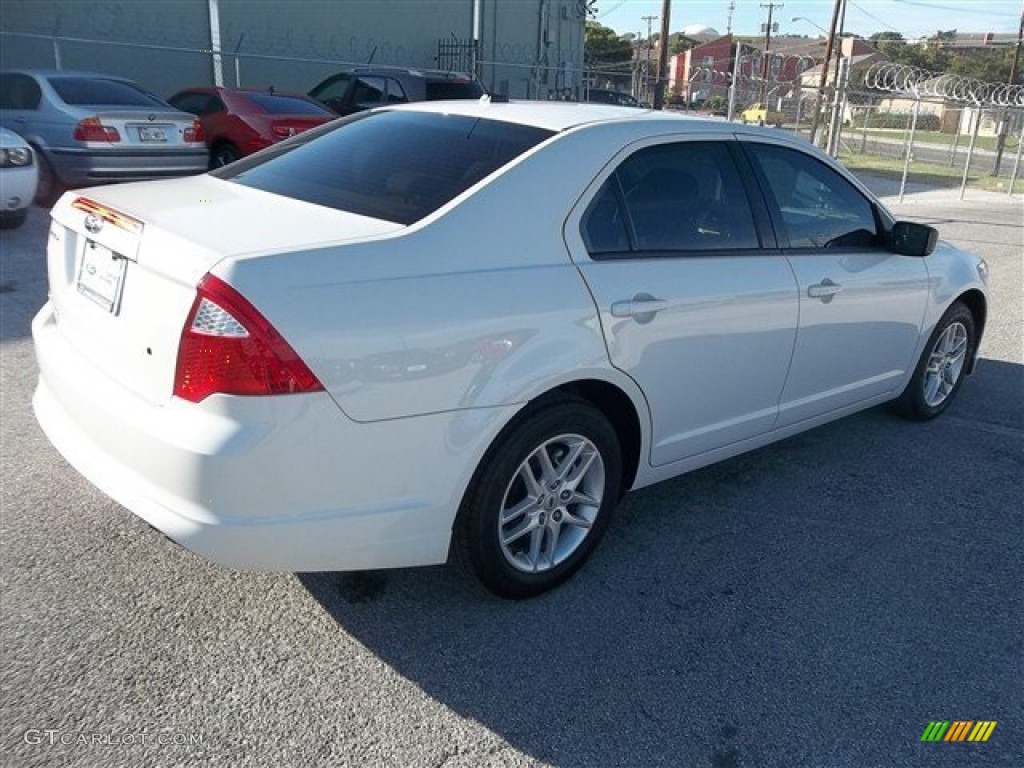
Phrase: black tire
{"type": "Point", "coordinates": [553, 520]}
{"type": "Point", "coordinates": [920, 401]}
{"type": "Point", "coordinates": [50, 186]}
{"type": "Point", "coordinates": [223, 153]}
{"type": "Point", "coordinates": [13, 219]}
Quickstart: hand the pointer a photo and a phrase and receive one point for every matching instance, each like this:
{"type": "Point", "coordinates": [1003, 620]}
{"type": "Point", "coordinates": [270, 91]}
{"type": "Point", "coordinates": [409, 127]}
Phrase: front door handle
{"type": "Point", "coordinates": [643, 307]}
{"type": "Point", "coordinates": [824, 290]}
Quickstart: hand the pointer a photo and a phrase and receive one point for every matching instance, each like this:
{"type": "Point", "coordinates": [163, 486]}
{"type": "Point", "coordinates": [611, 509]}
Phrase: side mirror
{"type": "Point", "coordinates": [912, 239]}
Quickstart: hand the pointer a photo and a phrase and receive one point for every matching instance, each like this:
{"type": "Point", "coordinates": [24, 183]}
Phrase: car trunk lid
{"type": "Point", "coordinates": [124, 262]}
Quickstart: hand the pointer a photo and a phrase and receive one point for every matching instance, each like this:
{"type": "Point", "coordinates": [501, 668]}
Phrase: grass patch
{"type": "Point", "coordinates": [932, 174]}
{"type": "Point", "coordinates": [851, 132]}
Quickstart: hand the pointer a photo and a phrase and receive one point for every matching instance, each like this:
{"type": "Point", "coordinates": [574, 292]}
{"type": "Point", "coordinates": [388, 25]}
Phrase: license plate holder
{"type": "Point", "coordinates": [149, 133]}
{"type": "Point", "coordinates": [101, 276]}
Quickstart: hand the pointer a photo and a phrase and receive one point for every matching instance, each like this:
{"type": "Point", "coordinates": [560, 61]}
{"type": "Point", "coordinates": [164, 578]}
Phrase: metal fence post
{"type": "Point", "coordinates": [238, 66]}
{"type": "Point", "coordinates": [1016, 161]}
{"type": "Point", "coordinates": [956, 139]}
{"type": "Point", "coordinates": [910, 147]}
{"type": "Point", "coordinates": [970, 150]}
{"type": "Point", "coordinates": [864, 132]}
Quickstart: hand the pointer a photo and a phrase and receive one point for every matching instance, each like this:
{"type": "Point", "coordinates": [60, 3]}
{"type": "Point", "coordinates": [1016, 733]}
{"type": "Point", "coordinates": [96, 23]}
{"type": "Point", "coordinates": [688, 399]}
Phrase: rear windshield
{"type": "Point", "coordinates": [397, 166]}
{"type": "Point", "coordinates": [442, 90]}
{"type": "Point", "coordinates": [94, 90]}
{"type": "Point", "coordinates": [286, 105]}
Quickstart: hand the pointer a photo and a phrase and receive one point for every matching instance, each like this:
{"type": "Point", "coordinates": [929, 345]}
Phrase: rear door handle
{"type": "Point", "coordinates": [642, 306]}
{"type": "Point", "coordinates": [824, 290]}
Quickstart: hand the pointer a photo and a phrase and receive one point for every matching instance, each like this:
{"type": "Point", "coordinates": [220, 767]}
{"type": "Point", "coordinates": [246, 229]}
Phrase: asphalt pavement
{"type": "Point", "coordinates": [815, 603]}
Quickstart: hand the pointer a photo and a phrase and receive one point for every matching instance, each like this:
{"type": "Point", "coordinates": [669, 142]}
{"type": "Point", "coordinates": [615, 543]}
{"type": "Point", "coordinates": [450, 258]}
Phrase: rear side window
{"type": "Point", "coordinates": [672, 198]}
{"type": "Point", "coordinates": [442, 90]}
{"type": "Point", "coordinates": [196, 103]}
{"type": "Point", "coordinates": [97, 91]}
{"type": "Point", "coordinates": [375, 164]}
{"type": "Point", "coordinates": [286, 105]}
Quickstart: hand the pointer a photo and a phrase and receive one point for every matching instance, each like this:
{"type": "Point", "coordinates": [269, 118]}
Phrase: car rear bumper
{"type": "Point", "coordinates": [285, 483]}
{"type": "Point", "coordinates": [80, 167]}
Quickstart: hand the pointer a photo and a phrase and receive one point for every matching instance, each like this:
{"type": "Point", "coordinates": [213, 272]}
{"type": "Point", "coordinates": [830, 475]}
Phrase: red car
{"type": "Point", "coordinates": [240, 121]}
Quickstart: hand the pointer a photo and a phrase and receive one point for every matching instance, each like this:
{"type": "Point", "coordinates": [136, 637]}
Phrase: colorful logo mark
{"type": "Point", "coordinates": [958, 730]}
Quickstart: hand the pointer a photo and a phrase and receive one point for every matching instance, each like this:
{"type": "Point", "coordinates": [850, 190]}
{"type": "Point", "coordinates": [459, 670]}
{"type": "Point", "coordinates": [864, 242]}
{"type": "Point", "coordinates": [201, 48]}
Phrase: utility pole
{"type": "Point", "coordinates": [647, 66]}
{"type": "Point", "coordinates": [824, 70]}
{"type": "Point", "coordinates": [765, 61]}
{"type": "Point", "coordinates": [1001, 139]}
{"type": "Point", "coordinates": [662, 81]}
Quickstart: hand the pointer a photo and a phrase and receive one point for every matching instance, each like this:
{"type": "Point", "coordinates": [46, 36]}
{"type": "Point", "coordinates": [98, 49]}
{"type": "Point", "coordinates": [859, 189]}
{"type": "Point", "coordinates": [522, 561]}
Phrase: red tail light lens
{"type": "Point", "coordinates": [227, 346]}
{"type": "Point", "coordinates": [91, 129]}
{"type": "Point", "coordinates": [195, 133]}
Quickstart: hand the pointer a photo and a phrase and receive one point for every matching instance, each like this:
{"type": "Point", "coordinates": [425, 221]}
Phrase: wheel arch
{"type": "Point", "coordinates": [975, 301]}
{"type": "Point", "coordinates": [616, 406]}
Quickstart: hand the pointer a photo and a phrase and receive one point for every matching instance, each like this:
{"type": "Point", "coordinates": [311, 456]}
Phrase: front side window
{"type": "Point", "coordinates": [374, 164]}
{"type": "Point", "coordinates": [684, 197]}
{"type": "Point", "coordinates": [818, 208]}
{"type": "Point", "coordinates": [370, 91]}
{"type": "Point", "coordinates": [332, 88]}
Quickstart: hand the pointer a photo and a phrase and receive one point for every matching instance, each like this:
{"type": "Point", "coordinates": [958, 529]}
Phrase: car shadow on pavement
{"type": "Point", "coordinates": [22, 274]}
{"type": "Point", "coordinates": [815, 602]}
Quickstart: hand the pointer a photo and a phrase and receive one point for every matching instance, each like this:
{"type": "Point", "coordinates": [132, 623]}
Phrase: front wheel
{"type": "Point", "coordinates": [223, 154]}
{"type": "Point", "coordinates": [13, 219]}
{"type": "Point", "coordinates": [540, 500]}
{"type": "Point", "coordinates": [942, 367]}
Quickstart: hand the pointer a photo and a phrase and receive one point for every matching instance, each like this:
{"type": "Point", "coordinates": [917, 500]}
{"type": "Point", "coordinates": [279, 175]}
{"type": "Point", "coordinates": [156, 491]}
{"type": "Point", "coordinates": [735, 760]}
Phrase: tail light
{"type": "Point", "coordinates": [91, 129]}
{"type": "Point", "coordinates": [195, 133]}
{"type": "Point", "coordinates": [227, 346]}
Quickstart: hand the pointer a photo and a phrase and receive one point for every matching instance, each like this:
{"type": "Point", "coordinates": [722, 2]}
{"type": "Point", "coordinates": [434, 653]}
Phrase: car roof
{"type": "Point", "coordinates": [557, 115]}
{"type": "Point", "coordinates": [64, 73]}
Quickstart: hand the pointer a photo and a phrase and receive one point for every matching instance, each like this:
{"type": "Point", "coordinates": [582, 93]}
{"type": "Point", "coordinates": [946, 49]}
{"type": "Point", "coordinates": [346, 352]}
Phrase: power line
{"type": "Point", "coordinates": [950, 8]}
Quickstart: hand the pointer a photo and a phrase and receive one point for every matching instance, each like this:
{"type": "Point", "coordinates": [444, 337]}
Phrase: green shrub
{"type": "Point", "coordinates": [899, 121]}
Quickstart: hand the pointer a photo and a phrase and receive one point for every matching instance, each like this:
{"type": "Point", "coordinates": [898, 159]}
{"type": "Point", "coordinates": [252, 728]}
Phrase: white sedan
{"type": "Point", "coordinates": [472, 326]}
{"type": "Point", "coordinates": [19, 176]}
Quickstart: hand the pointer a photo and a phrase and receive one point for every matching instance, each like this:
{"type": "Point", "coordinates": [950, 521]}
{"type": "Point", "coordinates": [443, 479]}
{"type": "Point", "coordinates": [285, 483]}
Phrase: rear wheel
{"type": "Point", "coordinates": [540, 500]}
{"type": "Point", "coordinates": [50, 186]}
{"type": "Point", "coordinates": [942, 367]}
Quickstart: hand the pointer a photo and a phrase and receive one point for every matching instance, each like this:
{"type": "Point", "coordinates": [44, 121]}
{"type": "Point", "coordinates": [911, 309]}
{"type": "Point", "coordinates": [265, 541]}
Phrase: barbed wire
{"type": "Point", "coordinates": [918, 83]}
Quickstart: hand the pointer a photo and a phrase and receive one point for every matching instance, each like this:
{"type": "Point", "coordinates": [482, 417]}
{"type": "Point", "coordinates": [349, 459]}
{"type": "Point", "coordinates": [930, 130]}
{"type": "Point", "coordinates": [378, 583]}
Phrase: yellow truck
{"type": "Point", "coordinates": [762, 115]}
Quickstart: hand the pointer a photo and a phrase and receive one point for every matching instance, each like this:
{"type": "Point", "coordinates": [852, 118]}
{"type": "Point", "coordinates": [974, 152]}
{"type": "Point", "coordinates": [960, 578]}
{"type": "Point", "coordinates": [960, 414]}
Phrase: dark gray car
{"type": "Point", "coordinates": [90, 129]}
{"type": "Point", "coordinates": [360, 88]}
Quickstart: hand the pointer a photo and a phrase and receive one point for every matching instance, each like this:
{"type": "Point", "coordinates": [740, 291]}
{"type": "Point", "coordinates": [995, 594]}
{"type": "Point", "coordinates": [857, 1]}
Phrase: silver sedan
{"type": "Point", "coordinates": [89, 129]}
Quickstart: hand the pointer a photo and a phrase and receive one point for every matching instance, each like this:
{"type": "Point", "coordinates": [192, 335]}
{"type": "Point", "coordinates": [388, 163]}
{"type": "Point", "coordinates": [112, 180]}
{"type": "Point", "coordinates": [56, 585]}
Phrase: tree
{"type": "Point", "coordinates": [938, 54]}
{"type": "Point", "coordinates": [603, 46]}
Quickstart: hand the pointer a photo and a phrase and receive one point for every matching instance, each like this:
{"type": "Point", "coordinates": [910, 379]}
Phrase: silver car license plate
{"type": "Point", "coordinates": [101, 276]}
{"type": "Point", "coordinates": [147, 133]}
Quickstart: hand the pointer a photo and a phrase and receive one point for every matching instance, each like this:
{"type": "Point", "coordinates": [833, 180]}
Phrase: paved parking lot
{"type": "Point", "coordinates": [815, 603]}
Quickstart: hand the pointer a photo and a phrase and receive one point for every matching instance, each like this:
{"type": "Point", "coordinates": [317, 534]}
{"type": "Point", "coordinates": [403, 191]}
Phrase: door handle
{"type": "Point", "coordinates": [824, 290]}
{"type": "Point", "coordinates": [642, 306]}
